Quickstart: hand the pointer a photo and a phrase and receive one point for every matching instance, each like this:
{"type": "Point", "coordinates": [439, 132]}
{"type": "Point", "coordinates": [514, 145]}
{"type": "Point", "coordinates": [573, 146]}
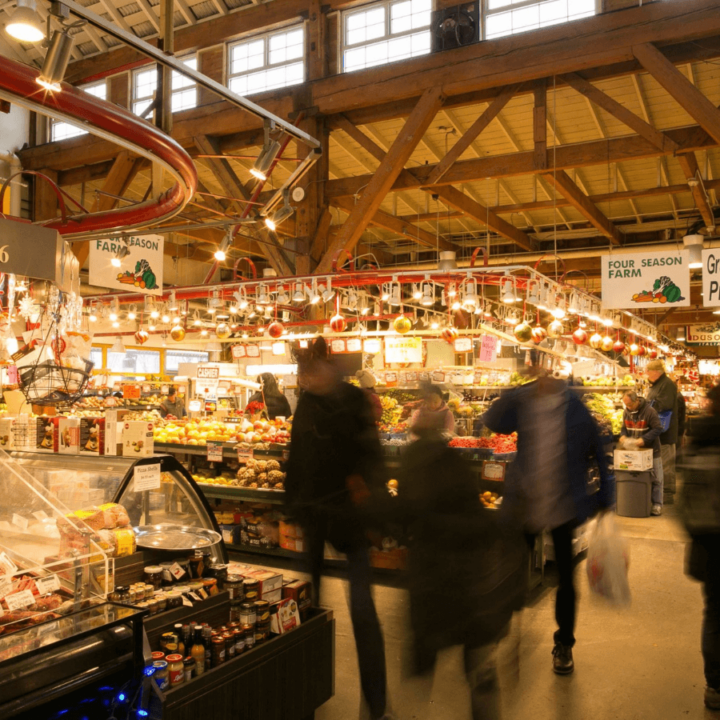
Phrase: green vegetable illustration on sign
{"type": "Point", "coordinates": [143, 277]}
{"type": "Point", "coordinates": [664, 291]}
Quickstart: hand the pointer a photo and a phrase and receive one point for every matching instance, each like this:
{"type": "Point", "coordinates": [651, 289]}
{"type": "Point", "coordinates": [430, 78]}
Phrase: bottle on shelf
{"type": "Point", "coordinates": [197, 651]}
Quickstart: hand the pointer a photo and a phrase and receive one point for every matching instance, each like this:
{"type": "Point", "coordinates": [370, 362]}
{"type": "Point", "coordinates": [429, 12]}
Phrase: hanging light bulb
{"type": "Point", "coordinates": [416, 292]}
{"type": "Point", "coordinates": [115, 310]}
{"type": "Point", "coordinates": [508, 296]}
{"type": "Point", "coordinates": [120, 254]}
{"type": "Point", "coordinates": [428, 295]}
{"type": "Point", "coordinates": [470, 296]}
{"type": "Point", "coordinates": [221, 252]}
{"type": "Point", "coordinates": [314, 294]}
{"type": "Point", "coordinates": [56, 61]}
{"type": "Point", "coordinates": [165, 317]}
{"type": "Point", "coordinates": [243, 301]}
{"type": "Point", "coordinates": [328, 293]}
{"type": "Point", "coordinates": [282, 296]}
{"type": "Point", "coordinates": [281, 214]}
{"type": "Point", "coordinates": [299, 294]}
{"type": "Point", "coordinates": [25, 25]}
{"type": "Point", "coordinates": [385, 295]}
{"type": "Point", "coordinates": [542, 303]}
{"type": "Point", "coordinates": [262, 294]}
{"type": "Point", "coordinates": [533, 293]}
{"type": "Point", "coordinates": [267, 155]}
{"type": "Point", "coordinates": [395, 298]}
{"type": "Point", "coordinates": [196, 320]}
{"type": "Point", "coordinates": [93, 314]}
{"type": "Point", "coordinates": [118, 346]}
{"type": "Point", "coordinates": [573, 307]}
{"type": "Point", "coordinates": [173, 303]}
{"type": "Point", "coordinates": [132, 313]}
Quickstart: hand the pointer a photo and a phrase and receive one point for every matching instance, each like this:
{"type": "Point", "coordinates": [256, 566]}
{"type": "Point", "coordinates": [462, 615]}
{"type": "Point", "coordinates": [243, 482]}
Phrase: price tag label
{"type": "Point", "coordinates": [19, 600]}
{"type": "Point", "coordinates": [194, 596]}
{"type": "Point", "coordinates": [463, 345]}
{"type": "Point", "coordinates": [176, 571]}
{"type": "Point", "coordinates": [147, 477]}
{"type": "Point", "coordinates": [285, 455]}
{"type": "Point", "coordinates": [7, 564]}
{"type": "Point", "coordinates": [493, 471]}
{"type": "Point", "coordinates": [244, 454]}
{"type": "Point", "coordinates": [20, 521]}
{"type": "Point", "coordinates": [47, 584]}
{"type": "Point", "coordinates": [146, 389]}
{"type": "Point", "coordinates": [214, 452]}
{"type": "Point", "coordinates": [40, 515]}
{"type": "Point", "coordinates": [5, 586]}
{"type": "Point", "coordinates": [354, 345]}
{"type": "Point", "coordinates": [186, 602]}
{"type": "Point", "coordinates": [164, 389]}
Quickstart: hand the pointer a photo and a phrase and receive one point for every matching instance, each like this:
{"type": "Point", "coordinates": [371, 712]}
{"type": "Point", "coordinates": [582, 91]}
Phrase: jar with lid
{"type": "Point", "coordinates": [167, 576]}
{"type": "Point", "coordinates": [196, 565]}
{"type": "Point", "coordinates": [210, 586]}
{"type": "Point", "coordinates": [262, 611]}
{"type": "Point", "coordinates": [161, 600]}
{"type": "Point", "coordinates": [176, 669]}
{"type": "Point", "coordinates": [235, 613]}
{"type": "Point", "coordinates": [218, 650]}
{"type": "Point", "coordinates": [139, 591]}
{"type": "Point", "coordinates": [249, 631]}
{"type": "Point", "coordinates": [189, 668]}
{"type": "Point", "coordinates": [149, 590]}
{"type": "Point", "coordinates": [184, 564]}
{"type": "Point", "coordinates": [153, 607]}
{"type": "Point", "coordinates": [169, 642]}
{"type": "Point", "coordinates": [239, 636]}
{"type": "Point", "coordinates": [122, 595]}
{"type": "Point", "coordinates": [207, 642]}
{"type": "Point", "coordinates": [153, 576]}
{"type": "Point", "coordinates": [229, 645]}
{"type": "Point", "coordinates": [234, 586]}
{"type": "Point", "coordinates": [157, 655]}
{"type": "Point", "coordinates": [219, 571]}
{"type": "Point", "coordinates": [252, 589]}
{"type": "Point", "coordinates": [247, 614]}
{"type": "Point", "coordinates": [161, 674]}
{"type": "Point", "coordinates": [132, 596]}
{"type": "Point", "coordinates": [262, 632]}
{"type": "Point", "coordinates": [174, 600]}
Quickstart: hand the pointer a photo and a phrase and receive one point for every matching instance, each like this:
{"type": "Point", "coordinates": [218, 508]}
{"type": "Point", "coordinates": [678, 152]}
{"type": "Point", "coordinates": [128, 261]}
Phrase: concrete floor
{"type": "Point", "coordinates": [641, 663]}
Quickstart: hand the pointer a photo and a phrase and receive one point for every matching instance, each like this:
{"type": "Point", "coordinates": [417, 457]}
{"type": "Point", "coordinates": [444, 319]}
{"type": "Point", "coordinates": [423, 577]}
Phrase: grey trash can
{"type": "Point", "coordinates": [634, 493]}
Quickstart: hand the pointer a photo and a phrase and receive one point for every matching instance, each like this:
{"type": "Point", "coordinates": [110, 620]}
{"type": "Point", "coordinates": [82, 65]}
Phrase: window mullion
{"type": "Point", "coordinates": [515, 6]}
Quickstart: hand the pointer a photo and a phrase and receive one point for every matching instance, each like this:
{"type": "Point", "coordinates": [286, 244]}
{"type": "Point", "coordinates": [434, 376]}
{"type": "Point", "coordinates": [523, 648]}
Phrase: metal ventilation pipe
{"type": "Point", "coordinates": [448, 260]}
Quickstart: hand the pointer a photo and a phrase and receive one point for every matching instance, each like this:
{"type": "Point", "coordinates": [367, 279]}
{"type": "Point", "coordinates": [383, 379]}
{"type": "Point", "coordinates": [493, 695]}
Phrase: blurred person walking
{"type": "Point", "coordinates": [334, 470]}
{"type": "Point", "coordinates": [663, 396]}
{"type": "Point", "coordinates": [641, 429]}
{"type": "Point", "coordinates": [270, 395]}
{"type": "Point", "coordinates": [700, 510]}
{"type": "Point", "coordinates": [456, 543]}
{"type": "Point", "coordinates": [367, 385]}
{"type": "Point", "coordinates": [547, 487]}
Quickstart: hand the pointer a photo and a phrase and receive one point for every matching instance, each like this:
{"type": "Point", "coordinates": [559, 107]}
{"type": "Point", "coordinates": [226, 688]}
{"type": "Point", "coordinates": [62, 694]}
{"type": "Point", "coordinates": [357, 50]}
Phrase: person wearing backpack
{"type": "Point", "coordinates": [663, 396]}
{"type": "Point", "coordinates": [700, 510]}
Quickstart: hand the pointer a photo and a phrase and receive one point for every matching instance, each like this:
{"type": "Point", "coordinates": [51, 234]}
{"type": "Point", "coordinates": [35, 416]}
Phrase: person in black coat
{"type": "Point", "coordinates": [334, 470]}
{"type": "Point", "coordinates": [276, 404]}
{"type": "Point", "coordinates": [455, 543]}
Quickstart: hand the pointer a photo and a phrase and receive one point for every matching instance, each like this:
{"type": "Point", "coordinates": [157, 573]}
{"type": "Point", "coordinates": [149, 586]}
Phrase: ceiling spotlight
{"type": "Point", "coordinates": [416, 292]}
{"type": "Point", "coordinates": [694, 243]}
{"type": "Point", "coordinates": [352, 300]}
{"type": "Point", "coordinates": [542, 297]}
{"type": "Point", "coordinates": [428, 295]}
{"type": "Point", "coordinates": [132, 313]}
{"type": "Point", "coordinates": [508, 296]}
{"type": "Point", "coordinates": [314, 294]}
{"type": "Point", "coordinates": [165, 318]}
{"type": "Point", "coordinates": [118, 346]}
{"type": "Point", "coordinates": [233, 309]}
{"type": "Point", "coordinates": [25, 25]}
{"type": "Point", "coordinates": [281, 214]}
{"type": "Point", "coordinates": [269, 152]}
{"type": "Point", "coordinates": [173, 304]}
{"type": "Point", "coordinates": [262, 294]}
{"type": "Point", "coordinates": [327, 292]}
{"type": "Point", "coordinates": [470, 296]}
{"type": "Point", "coordinates": [299, 294]}
{"type": "Point", "coordinates": [282, 297]}
{"type": "Point", "coordinates": [385, 296]}
{"type": "Point", "coordinates": [395, 293]}
{"type": "Point", "coordinates": [56, 61]}
{"type": "Point", "coordinates": [221, 252]}
{"type": "Point", "coordinates": [155, 313]}
{"type": "Point", "coordinates": [452, 292]}
{"type": "Point", "coordinates": [196, 319]}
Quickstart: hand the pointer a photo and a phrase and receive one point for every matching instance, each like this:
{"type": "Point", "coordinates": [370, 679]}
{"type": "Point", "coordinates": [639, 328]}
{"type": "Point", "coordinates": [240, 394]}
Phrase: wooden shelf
{"type": "Point", "coordinates": [232, 492]}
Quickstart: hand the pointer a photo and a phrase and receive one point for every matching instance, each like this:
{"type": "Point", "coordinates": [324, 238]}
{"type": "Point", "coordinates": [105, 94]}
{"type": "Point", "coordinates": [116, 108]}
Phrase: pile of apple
{"type": "Point", "coordinates": [200, 432]}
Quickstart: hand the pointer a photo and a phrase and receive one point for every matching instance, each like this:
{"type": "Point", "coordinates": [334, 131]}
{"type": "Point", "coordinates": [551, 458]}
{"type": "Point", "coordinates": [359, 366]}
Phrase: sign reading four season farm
{"type": "Point", "coordinates": [633, 280]}
{"type": "Point", "coordinates": [140, 271]}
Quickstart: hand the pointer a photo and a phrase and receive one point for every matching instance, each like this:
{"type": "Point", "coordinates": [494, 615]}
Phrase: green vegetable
{"type": "Point", "coordinates": [149, 279]}
{"type": "Point", "coordinates": [672, 293]}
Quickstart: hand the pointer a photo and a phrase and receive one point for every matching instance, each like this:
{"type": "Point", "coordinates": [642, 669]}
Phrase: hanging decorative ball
{"type": "Point", "coordinates": [596, 340]}
{"type": "Point", "coordinates": [523, 332]}
{"type": "Point", "coordinates": [618, 346]}
{"type": "Point", "coordinates": [449, 335]}
{"type": "Point", "coordinates": [141, 337]}
{"type": "Point", "coordinates": [652, 354]}
{"type": "Point", "coordinates": [555, 329]}
{"type": "Point", "coordinates": [634, 349]}
{"type": "Point", "coordinates": [579, 337]}
{"type": "Point", "coordinates": [275, 329]}
{"type": "Point", "coordinates": [402, 324]}
{"type": "Point", "coordinates": [223, 331]}
{"type": "Point", "coordinates": [337, 323]}
{"type": "Point", "coordinates": [177, 333]}
{"type": "Point", "coordinates": [641, 351]}
{"type": "Point", "coordinates": [539, 333]}
{"type": "Point", "coordinates": [607, 343]}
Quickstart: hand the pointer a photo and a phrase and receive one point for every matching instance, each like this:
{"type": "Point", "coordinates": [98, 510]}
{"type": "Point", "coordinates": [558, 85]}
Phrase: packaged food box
{"type": "Point", "coordinates": [633, 460]}
{"type": "Point", "coordinates": [113, 431]}
{"type": "Point", "coordinates": [269, 580]}
{"type": "Point", "coordinates": [92, 436]}
{"type": "Point", "coordinates": [6, 429]}
{"type": "Point", "coordinates": [271, 596]}
{"type": "Point", "coordinates": [284, 616]}
{"type": "Point", "coordinates": [67, 435]}
{"type": "Point", "coordinates": [137, 438]}
{"type": "Point", "coordinates": [301, 592]}
{"type": "Point", "coordinates": [44, 434]}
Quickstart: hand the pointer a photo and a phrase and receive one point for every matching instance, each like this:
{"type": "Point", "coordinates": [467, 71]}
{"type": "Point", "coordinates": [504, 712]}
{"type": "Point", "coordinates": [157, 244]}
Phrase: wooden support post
{"type": "Point", "coordinates": [453, 197]}
{"type": "Point", "coordinates": [540, 124]}
{"type": "Point", "coordinates": [688, 163]}
{"type": "Point", "coordinates": [164, 85]}
{"type": "Point", "coordinates": [561, 181]}
{"type": "Point", "coordinates": [471, 134]}
{"type": "Point", "coordinates": [316, 41]}
{"type": "Point", "coordinates": [386, 174]}
{"type": "Point", "coordinates": [319, 242]}
{"type": "Point", "coordinates": [45, 203]}
{"type": "Point", "coordinates": [684, 92]}
{"type": "Point", "coordinates": [599, 98]}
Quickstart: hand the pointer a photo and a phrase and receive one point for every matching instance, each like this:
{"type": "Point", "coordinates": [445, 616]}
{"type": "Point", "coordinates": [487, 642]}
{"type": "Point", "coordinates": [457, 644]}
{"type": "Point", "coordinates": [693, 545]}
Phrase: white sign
{"type": "Point", "coordinates": [703, 334]}
{"type": "Point", "coordinates": [403, 350]}
{"type": "Point", "coordinates": [463, 345]}
{"type": "Point", "coordinates": [711, 277]}
{"type": "Point", "coordinates": [19, 600]}
{"type": "Point", "coordinates": [47, 584]}
{"type": "Point", "coordinates": [208, 372]}
{"type": "Point", "coordinates": [147, 477]}
{"type": "Point", "coordinates": [640, 280]}
{"type": "Point", "coordinates": [141, 271]}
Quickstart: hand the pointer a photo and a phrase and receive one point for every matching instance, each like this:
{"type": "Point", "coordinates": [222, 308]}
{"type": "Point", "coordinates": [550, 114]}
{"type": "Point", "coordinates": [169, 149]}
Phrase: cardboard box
{"type": "Point", "coordinates": [23, 434]}
{"type": "Point", "coordinates": [45, 434]}
{"type": "Point", "coordinates": [633, 460]}
{"type": "Point", "coordinates": [284, 616]}
{"type": "Point", "coordinates": [113, 431]}
{"type": "Point", "coordinates": [301, 592]}
{"type": "Point", "coordinates": [292, 544]}
{"type": "Point", "coordinates": [137, 438]}
{"type": "Point", "coordinates": [92, 436]}
{"type": "Point", "coordinates": [67, 435]}
{"type": "Point", "coordinates": [270, 580]}
{"type": "Point", "coordinates": [6, 433]}
{"type": "Point", "coordinates": [272, 595]}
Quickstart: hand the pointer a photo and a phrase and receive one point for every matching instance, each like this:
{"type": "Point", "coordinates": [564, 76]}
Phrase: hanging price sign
{"type": "Point", "coordinates": [214, 452]}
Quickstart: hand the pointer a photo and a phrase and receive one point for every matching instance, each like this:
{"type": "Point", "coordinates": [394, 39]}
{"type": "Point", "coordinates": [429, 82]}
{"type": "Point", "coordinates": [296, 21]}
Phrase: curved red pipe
{"type": "Point", "coordinates": [20, 81]}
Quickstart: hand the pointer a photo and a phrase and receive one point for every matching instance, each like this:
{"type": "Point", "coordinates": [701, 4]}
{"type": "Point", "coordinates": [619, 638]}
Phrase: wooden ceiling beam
{"type": "Point", "coordinates": [688, 163]}
{"type": "Point", "coordinates": [680, 88]}
{"type": "Point", "coordinates": [382, 180]}
{"type": "Point", "coordinates": [562, 182]}
{"type": "Point", "coordinates": [540, 124]}
{"type": "Point", "coordinates": [472, 133]}
{"type": "Point", "coordinates": [453, 197]}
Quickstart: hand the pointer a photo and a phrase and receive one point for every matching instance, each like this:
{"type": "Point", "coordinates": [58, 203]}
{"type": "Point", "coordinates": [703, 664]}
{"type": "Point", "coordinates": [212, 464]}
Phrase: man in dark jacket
{"type": "Point", "coordinates": [335, 465]}
{"type": "Point", "coordinates": [663, 396]}
{"type": "Point", "coordinates": [547, 487]}
{"type": "Point", "coordinates": [641, 429]}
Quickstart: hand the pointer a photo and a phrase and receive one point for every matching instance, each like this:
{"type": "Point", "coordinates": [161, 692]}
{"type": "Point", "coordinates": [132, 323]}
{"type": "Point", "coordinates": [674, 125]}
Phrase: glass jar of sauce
{"type": "Point", "coordinates": [239, 636]}
{"type": "Point", "coordinates": [157, 655]}
{"type": "Point", "coordinates": [248, 615]}
{"type": "Point", "coordinates": [176, 670]}
{"type": "Point", "coordinates": [218, 650]}
{"type": "Point", "coordinates": [161, 674]}
{"type": "Point", "coordinates": [229, 645]}
{"type": "Point", "coordinates": [235, 587]}
{"type": "Point", "coordinates": [249, 631]}
{"type": "Point", "coordinates": [188, 668]}
{"type": "Point", "coordinates": [169, 643]}
{"type": "Point", "coordinates": [153, 576]}
{"type": "Point", "coordinates": [210, 586]}
{"type": "Point", "coordinates": [252, 589]}
{"type": "Point", "coordinates": [262, 611]}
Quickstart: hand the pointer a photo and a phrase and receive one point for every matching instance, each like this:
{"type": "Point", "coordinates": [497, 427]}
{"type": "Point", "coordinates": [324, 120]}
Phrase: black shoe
{"type": "Point", "coordinates": [562, 659]}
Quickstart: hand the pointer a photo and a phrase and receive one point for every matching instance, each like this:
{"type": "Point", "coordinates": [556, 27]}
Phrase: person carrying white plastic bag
{"type": "Point", "coordinates": [608, 562]}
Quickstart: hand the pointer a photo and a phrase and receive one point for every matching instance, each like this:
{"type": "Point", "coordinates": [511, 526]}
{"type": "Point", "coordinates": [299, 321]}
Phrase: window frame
{"type": "Point", "coordinates": [389, 35]}
{"type": "Point", "coordinates": [486, 12]}
{"type": "Point", "coordinates": [265, 37]}
{"type": "Point", "coordinates": [80, 132]}
{"type": "Point", "coordinates": [150, 98]}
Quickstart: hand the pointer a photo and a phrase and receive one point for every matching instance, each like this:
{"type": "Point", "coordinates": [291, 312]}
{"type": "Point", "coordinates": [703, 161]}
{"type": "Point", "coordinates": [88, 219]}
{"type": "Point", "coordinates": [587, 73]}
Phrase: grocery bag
{"type": "Point", "coordinates": [608, 561]}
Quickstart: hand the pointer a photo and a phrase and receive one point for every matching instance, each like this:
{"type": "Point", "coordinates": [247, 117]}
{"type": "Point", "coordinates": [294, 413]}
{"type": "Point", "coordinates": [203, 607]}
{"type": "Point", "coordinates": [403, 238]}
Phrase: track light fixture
{"type": "Point", "coordinates": [299, 294]}
{"type": "Point", "coordinates": [267, 155]}
{"type": "Point", "coordinates": [281, 214]}
{"type": "Point", "coordinates": [221, 252]}
{"type": "Point", "coordinates": [25, 25]}
{"type": "Point", "coordinates": [56, 60]}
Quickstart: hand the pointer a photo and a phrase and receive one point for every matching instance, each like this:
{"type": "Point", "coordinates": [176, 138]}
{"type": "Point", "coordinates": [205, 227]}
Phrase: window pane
{"type": "Point", "coordinates": [364, 26]}
{"type": "Point", "coordinates": [140, 107]}
{"type": "Point", "coordinates": [99, 90]}
{"type": "Point", "coordinates": [184, 100]}
{"type": "Point", "coordinates": [180, 81]}
{"type": "Point", "coordinates": [63, 131]}
{"type": "Point", "coordinates": [96, 357]}
{"type": "Point", "coordinates": [535, 15]}
{"type": "Point", "coordinates": [145, 83]}
{"type": "Point", "coordinates": [173, 358]}
{"type": "Point", "coordinates": [134, 361]}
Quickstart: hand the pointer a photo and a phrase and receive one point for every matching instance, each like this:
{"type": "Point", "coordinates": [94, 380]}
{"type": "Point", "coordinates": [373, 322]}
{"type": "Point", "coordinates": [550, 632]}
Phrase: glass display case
{"type": "Point", "coordinates": [52, 563]}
